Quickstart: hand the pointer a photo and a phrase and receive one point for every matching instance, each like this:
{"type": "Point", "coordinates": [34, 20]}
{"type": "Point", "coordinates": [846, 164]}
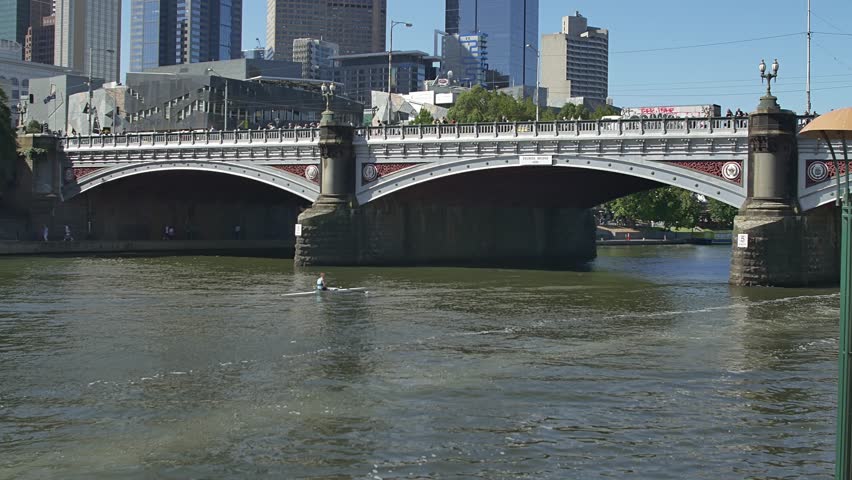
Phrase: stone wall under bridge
{"type": "Point", "coordinates": [387, 232]}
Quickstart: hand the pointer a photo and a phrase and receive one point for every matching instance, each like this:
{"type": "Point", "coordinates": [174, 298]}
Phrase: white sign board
{"type": "Point", "coordinates": [298, 229]}
{"type": "Point", "coordinates": [742, 240]}
{"type": "Point", "coordinates": [536, 160]}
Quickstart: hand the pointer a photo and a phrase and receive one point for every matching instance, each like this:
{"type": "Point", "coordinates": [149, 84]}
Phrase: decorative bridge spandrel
{"type": "Point", "coordinates": [707, 156]}
{"type": "Point", "coordinates": [818, 173]}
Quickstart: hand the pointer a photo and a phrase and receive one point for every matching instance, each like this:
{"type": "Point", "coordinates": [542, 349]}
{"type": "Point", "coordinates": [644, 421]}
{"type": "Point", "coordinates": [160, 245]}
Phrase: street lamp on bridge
{"type": "Point", "coordinates": [537, 78]}
{"type": "Point", "coordinates": [90, 97]}
{"type": "Point", "coordinates": [328, 94]}
{"type": "Point", "coordinates": [210, 70]}
{"type": "Point", "coordinates": [768, 76]}
{"type": "Point", "coordinates": [394, 23]}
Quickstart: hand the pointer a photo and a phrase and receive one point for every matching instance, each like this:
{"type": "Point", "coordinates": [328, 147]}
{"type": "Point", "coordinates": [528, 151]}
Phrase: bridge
{"type": "Point", "coordinates": [706, 156]}
{"type": "Point", "coordinates": [456, 193]}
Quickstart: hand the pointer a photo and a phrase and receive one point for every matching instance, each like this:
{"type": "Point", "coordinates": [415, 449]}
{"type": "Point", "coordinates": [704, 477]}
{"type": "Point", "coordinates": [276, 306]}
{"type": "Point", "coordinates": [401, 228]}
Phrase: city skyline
{"type": "Point", "coordinates": [667, 73]}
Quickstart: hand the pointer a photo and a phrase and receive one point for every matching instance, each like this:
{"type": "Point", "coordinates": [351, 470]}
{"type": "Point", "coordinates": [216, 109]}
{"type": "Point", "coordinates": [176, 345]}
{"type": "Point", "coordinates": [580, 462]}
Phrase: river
{"type": "Point", "coordinates": [648, 365]}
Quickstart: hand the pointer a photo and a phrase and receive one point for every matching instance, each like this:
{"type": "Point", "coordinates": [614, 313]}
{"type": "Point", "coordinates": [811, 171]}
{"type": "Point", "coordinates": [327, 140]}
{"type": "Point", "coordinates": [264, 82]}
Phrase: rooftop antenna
{"type": "Point", "coordinates": [259, 46]}
{"type": "Point", "coordinates": [808, 86]}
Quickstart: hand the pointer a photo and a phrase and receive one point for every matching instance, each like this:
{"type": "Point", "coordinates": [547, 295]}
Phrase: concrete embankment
{"type": "Point", "coordinates": [271, 248]}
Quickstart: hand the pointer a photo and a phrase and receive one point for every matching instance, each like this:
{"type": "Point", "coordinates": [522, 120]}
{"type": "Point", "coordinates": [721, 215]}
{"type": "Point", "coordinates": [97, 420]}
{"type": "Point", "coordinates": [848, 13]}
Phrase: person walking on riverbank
{"type": "Point", "coordinates": [44, 232]}
{"type": "Point", "coordinates": [67, 237]}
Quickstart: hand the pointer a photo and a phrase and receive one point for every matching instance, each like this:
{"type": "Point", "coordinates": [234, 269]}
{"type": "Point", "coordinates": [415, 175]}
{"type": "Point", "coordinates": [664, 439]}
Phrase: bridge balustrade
{"type": "Point", "coordinates": [667, 126]}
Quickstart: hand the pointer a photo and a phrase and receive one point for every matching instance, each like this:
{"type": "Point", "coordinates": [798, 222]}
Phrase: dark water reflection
{"type": "Point", "coordinates": [649, 366]}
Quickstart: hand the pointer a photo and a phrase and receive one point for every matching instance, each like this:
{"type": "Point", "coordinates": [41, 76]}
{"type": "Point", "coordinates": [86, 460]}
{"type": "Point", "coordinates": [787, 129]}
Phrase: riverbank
{"type": "Point", "coordinates": [264, 248]}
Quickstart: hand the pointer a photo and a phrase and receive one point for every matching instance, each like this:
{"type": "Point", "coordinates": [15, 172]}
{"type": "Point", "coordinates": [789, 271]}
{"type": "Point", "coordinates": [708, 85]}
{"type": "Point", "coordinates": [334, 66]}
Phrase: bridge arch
{"type": "Point", "coordinates": [280, 179]}
{"type": "Point", "coordinates": [662, 172]}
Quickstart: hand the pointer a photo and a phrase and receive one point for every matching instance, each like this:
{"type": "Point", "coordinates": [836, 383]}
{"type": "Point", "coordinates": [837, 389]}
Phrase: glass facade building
{"type": "Point", "coordinates": [171, 32]}
{"type": "Point", "coordinates": [14, 20]}
{"type": "Point", "coordinates": [358, 26]}
{"type": "Point", "coordinates": [88, 37]}
{"type": "Point", "coordinates": [508, 26]}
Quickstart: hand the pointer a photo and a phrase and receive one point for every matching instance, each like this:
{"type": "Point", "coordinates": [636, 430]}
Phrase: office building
{"type": "Point", "coordinates": [358, 26]}
{"type": "Point", "coordinates": [577, 65]}
{"type": "Point", "coordinates": [41, 35]}
{"type": "Point", "coordinates": [172, 32]}
{"type": "Point", "coordinates": [509, 26]}
{"type": "Point", "coordinates": [14, 20]}
{"type": "Point", "coordinates": [466, 57]}
{"type": "Point", "coordinates": [18, 75]}
{"type": "Point", "coordinates": [315, 56]}
{"type": "Point", "coordinates": [29, 23]}
{"type": "Point", "coordinates": [88, 37]}
{"type": "Point", "coordinates": [364, 73]}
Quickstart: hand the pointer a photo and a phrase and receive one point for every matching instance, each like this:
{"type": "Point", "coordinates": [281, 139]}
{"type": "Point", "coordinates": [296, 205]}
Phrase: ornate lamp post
{"type": "Point", "coordinates": [768, 76]}
{"type": "Point", "coordinates": [328, 94]}
{"type": "Point", "coordinates": [394, 23]}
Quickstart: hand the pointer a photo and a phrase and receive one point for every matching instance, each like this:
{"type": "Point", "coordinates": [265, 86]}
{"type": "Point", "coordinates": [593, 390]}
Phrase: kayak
{"type": "Point", "coordinates": [330, 290]}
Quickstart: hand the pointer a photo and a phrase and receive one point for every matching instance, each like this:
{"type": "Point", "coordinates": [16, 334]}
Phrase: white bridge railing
{"type": "Point", "coordinates": [156, 139]}
{"type": "Point", "coordinates": [638, 127]}
{"type": "Point", "coordinates": [674, 127]}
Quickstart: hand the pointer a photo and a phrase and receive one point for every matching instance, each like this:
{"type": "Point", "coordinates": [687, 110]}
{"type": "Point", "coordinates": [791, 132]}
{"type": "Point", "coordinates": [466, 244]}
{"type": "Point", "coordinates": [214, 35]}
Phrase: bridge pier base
{"type": "Point", "coordinates": [775, 244]}
{"type": "Point", "coordinates": [391, 233]}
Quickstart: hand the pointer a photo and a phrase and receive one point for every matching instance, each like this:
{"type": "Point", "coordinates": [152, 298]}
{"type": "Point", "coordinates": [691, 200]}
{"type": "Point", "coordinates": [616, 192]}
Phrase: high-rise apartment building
{"type": "Point", "coordinates": [358, 26]}
{"type": "Point", "coordinates": [172, 32]}
{"type": "Point", "coordinates": [88, 37]}
{"type": "Point", "coordinates": [577, 63]}
{"type": "Point", "coordinates": [29, 23]}
{"type": "Point", "coordinates": [509, 26]}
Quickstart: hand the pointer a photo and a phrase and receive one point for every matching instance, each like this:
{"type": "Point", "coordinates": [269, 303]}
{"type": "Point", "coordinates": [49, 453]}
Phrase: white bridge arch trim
{"type": "Point", "coordinates": [658, 171]}
{"type": "Point", "coordinates": [299, 186]}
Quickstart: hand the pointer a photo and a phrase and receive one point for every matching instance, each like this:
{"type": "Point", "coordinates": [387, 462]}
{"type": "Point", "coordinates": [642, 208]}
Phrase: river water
{"type": "Point", "coordinates": [646, 366]}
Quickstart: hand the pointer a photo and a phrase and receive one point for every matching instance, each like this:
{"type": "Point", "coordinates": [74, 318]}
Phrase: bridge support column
{"type": "Point", "coordinates": [784, 247]}
{"type": "Point", "coordinates": [328, 228]}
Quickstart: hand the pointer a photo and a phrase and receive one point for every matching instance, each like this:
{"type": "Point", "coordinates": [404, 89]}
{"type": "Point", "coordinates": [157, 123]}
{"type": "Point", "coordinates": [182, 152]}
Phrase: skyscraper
{"type": "Point", "coordinates": [578, 62]}
{"type": "Point", "coordinates": [14, 20]}
{"type": "Point", "coordinates": [38, 45]}
{"type": "Point", "coordinates": [509, 25]}
{"type": "Point", "coordinates": [88, 37]}
{"type": "Point", "coordinates": [358, 26]}
{"type": "Point", "coordinates": [29, 23]}
{"type": "Point", "coordinates": [171, 32]}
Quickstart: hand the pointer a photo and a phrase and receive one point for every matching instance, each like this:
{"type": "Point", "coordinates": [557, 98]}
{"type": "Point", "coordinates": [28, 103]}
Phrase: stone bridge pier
{"type": "Point", "coordinates": [774, 242]}
{"type": "Point", "coordinates": [336, 230]}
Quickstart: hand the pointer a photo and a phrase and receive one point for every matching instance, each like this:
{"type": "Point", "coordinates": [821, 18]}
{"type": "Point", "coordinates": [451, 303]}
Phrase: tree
{"type": "Point", "coordinates": [673, 206]}
{"type": "Point", "coordinates": [423, 118]}
{"type": "Point", "coordinates": [480, 105]}
{"type": "Point", "coordinates": [33, 127]}
{"type": "Point", "coordinates": [8, 144]}
{"type": "Point", "coordinates": [720, 213]}
{"type": "Point", "coordinates": [604, 111]}
{"type": "Point", "coordinates": [574, 112]}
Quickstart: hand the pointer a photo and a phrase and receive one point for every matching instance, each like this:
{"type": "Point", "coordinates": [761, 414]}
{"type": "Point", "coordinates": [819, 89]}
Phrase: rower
{"type": "Point", "coordinates": [321, 282]}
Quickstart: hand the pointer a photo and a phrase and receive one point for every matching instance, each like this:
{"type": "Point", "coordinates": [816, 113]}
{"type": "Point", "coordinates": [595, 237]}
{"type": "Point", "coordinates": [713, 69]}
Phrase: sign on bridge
{"type": "Point", "coordinates": [536, 160]}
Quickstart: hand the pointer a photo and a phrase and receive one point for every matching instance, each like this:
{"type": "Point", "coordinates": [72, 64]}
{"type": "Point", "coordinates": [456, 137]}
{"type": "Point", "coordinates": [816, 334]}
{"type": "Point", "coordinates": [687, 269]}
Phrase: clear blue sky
{"type": "Point", "coordinates": [723, 74]}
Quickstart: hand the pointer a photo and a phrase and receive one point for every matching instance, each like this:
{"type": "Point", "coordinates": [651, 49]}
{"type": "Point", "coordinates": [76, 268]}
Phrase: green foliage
{"type": "Point", "coordinates": [604, 111]}
{"type": "Point", "coordinates": [480, 105]}
{"type": "Point", "coordinates": [423, 118]}
{"type": "Point", "coordinates": [673, 206]}
{"type": "Point", "coordinates": [574, 112]}
{"type": "Point", "coordinates": [8, 143]}
{"type": "Point", "coordinates": [33, 127]}
{"type": "Point", "coordinates": [720, 213]}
